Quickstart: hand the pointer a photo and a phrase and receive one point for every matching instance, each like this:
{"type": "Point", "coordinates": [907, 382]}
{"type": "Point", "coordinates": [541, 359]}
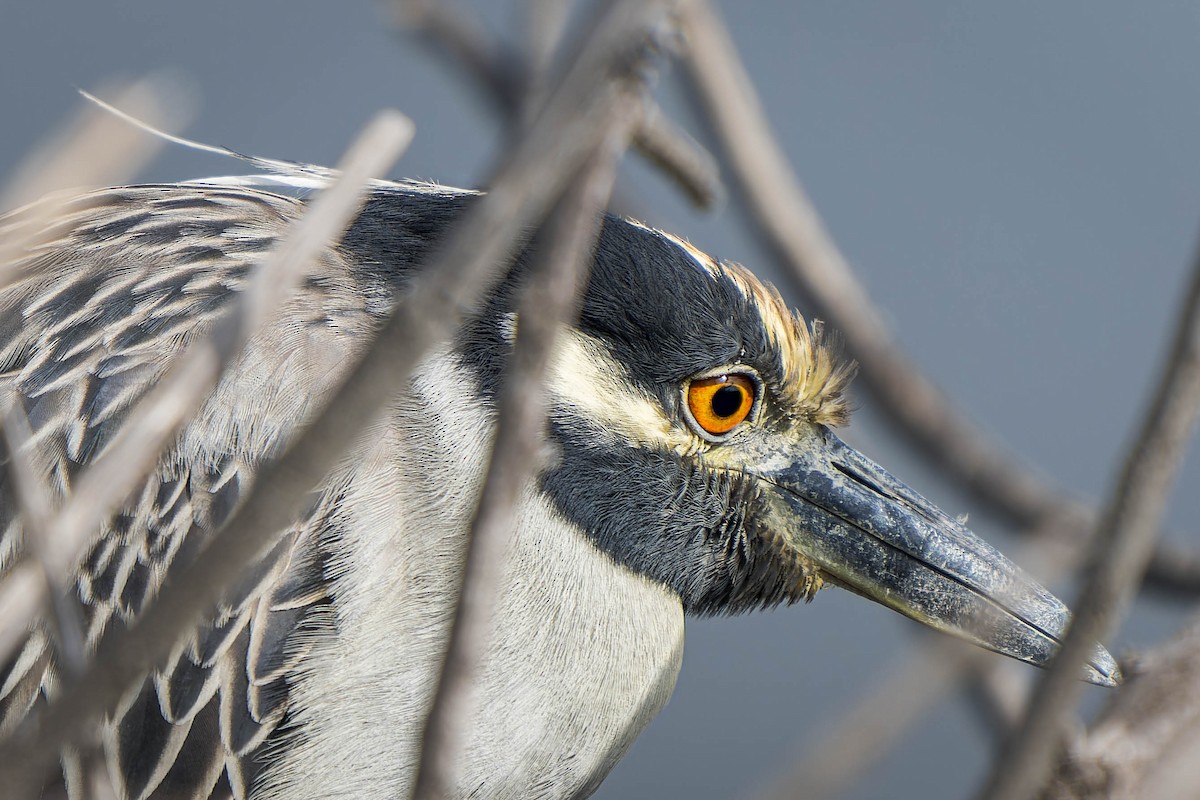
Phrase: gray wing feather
{"type": "Point", "coordinates": [90, 325]}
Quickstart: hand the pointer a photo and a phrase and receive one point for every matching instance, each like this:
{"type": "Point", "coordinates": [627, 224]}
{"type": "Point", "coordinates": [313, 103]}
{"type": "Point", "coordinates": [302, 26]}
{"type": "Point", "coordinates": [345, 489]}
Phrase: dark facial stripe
{"type": "Point", "coordinates": [672, 519]}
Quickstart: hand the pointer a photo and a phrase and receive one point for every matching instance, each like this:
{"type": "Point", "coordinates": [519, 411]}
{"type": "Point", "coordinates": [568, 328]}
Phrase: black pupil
{"type": "Point", "coordinates": [727, 400]}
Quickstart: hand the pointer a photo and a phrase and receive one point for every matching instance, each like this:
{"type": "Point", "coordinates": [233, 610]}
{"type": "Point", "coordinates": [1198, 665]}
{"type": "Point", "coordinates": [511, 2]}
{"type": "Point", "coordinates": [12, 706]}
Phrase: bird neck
{"type": "Point", "coordinates": [583, 651]}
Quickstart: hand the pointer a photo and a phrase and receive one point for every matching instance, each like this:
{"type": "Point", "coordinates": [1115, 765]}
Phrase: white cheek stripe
{"type": "Point", "coordinates": [584, 376]}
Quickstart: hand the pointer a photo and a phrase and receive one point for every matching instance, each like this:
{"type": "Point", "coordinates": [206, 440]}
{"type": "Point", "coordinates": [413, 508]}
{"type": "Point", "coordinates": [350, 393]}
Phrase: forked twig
{"type": "Point", "coordinates": [547, 304]}
{"type": "Point", "coordinates": [505, 76]}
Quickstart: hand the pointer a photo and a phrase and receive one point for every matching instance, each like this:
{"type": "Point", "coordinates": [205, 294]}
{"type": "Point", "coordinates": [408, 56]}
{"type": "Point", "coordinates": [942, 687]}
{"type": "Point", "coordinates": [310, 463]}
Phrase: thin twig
{"type": "Point", "coordinates": [108, 482]}
{"type": "Point", "coordinates": [545, 26]}
{"type": "Point", "coordinates": [1146, 742]}
{"type": "Point", "coordinates": [504, 77]}
{"type": "Point", "coordinates": [514, 450]}
{"type": "Point", "coordinates": [95, 148]}
{"type": "Point", "coordinates": [92, 149]}
{"type": "Point", "coordinates": [33, 501]}
{"type": "Point", "coordinates": [22, 597]}
{"type": "Point", "coordinates": [999, 695]}
{"type": "Point", "coordinates": [1174, 570]}
{"type": "Point", "coordinates": [601, 87]}
{"type": "Point", "coordinates": [34, 509]}
{"type": "Point", "coordinates": [468, 43]}
{"type": "Point", "coordinates": [99, 780]}
{"type": "Point", "coordinates": [875, 721]}
{"type": "Point", "coordinates": [1121, 550]}
{"type": "Point", "coordinates": [791, 226]}
{"type": "Point", "coordinates": [547, 303]}
{"type": "Point", "coordinates": [66, 626]}
{"type": "Point", "coordinates": [673, 151]}
{"type": "Point", "coordinates": [914, 681]}
{"type": "Point", "coordinates": [545, 22]}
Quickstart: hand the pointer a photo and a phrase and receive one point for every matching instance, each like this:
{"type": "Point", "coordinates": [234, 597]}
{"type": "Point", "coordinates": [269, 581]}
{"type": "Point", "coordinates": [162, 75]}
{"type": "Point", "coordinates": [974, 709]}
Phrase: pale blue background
{"type": "Point", "coordinates": [1018, 185]}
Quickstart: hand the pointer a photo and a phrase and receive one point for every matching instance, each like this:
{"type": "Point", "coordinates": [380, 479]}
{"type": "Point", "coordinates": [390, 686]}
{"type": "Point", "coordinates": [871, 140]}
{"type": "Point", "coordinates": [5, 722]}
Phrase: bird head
{"type": "Point", "coordinates": [692, 420]}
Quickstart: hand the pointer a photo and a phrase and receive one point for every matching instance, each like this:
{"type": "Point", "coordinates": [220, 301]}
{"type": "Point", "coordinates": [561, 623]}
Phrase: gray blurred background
{"type": "Point", "coordinates": [1018, 185]}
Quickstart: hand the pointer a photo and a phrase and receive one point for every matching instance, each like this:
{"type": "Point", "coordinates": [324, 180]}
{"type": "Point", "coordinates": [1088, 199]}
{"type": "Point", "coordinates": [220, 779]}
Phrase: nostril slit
{"type": "Point", "coordinates": [864, 480]}
{"type": "Point", "coordinates": [931, 515]}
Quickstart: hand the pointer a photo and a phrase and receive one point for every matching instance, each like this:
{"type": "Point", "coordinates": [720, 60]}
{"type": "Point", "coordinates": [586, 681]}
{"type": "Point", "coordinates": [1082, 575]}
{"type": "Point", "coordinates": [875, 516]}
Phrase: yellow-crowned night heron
{"type": "Point", "coordinates": [694, 470]}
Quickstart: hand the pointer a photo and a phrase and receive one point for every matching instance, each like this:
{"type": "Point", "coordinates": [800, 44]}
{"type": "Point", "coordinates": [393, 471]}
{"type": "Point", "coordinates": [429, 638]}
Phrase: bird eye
{"type": "Point", "coordinates": [721, 403]}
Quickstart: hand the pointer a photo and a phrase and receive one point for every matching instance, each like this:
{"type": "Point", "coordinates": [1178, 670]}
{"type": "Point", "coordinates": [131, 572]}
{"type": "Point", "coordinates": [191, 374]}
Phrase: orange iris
{"type": "Point", "coordinates": [721, 403]}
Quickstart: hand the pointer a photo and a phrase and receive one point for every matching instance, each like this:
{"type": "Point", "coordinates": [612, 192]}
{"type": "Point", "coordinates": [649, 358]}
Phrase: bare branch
{"type": "Point", "coordinates": [788, 220]}
{"type": "Point", "coordinates": [22, 597]}
{"type": "Point", "coordinates": [914, 682]}
{"type": "Point", "coordinates": [93, 149]}
{"type": "Point", "coordinates": [1174, 570]}
{"type": "Point", "coordinates": [99, 781]}
{"type": "Point", "coordinates": [546, 305]}
{"type": "Point", "coordinates": [1122, 548]}
{"type": "Point", "coordinates": [789, 223]}
{"type": "Point", "coordinates": [505, 76]}
{"type": "Point", "coordinates": [107, 483]}
{"type": "Point", "coordinates": [1146, 743]}
{"type": "Point", "coordinates": [668, 147]}
{"type": "Point", "coordinates": [545, 21]}
{"type": "Point", "coordinates": [66, 625]}
{"type": "Point", "coordinates": [33, 504]}
{"type": "Point", "coordinates": [999, 694]}
{"type": "Point", "coordinates": [869, 728]}
{"type": "Point", "coordinates": [469, 45]}
{"type": "Point", "coordinates": [601, 86]}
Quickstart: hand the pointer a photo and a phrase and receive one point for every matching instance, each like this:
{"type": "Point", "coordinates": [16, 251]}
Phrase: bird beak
{"type": "Point", "coordinates": [872, 534]}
